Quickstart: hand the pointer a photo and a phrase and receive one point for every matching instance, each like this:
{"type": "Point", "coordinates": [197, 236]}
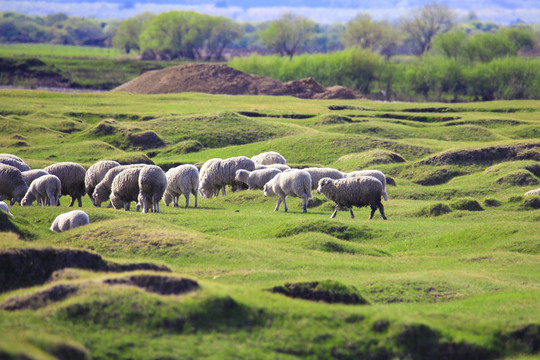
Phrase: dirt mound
{"type": "Point", "coordinates": [221, 79]}
{"type": "Point", "coordinates": [40, 299]}
{"type": "Point", "coordinates": [28, 267]}
{"type": "Point", "coordinates": [146, 140]}
{"type": "Point", "coordinates": [164, 285]}
{"type": "Point", "coordinates": [328, 291]}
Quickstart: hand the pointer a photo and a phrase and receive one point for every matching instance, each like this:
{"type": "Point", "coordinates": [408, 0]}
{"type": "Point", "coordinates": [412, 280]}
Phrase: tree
{"type": "Point", "coordinates": [368, 34]}
{"type": "Point", "coordinates": [451, 44]}
{"type": "Point", "coordinates": [288, 34]}
{"type": "Point", "coordinates": [222, 32]}
{"type": "Point", "coordinates": [129, 31]}
{"type": "Point", "coordinates": [426, 23]}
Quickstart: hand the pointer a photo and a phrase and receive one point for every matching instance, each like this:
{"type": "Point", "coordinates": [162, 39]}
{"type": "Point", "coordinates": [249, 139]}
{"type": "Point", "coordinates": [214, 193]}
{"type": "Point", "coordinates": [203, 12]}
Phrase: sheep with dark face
{"type": "Point", "coordinates": [12, 185]}
{"type": "Point", "coordinates": [95, 174]}
{"type": "Point", "coordinates": [152, 185]}
{"type": "Point", "coordinates": [183, 179]}
{"type": "Point", "coordinates": [71, 176]}
{"type": "Point", "coordinates": [45, 189]}
{"type": "Point", "coordinates": [353, 191]}
{"type": "Point", "coordinates": [290, 183]}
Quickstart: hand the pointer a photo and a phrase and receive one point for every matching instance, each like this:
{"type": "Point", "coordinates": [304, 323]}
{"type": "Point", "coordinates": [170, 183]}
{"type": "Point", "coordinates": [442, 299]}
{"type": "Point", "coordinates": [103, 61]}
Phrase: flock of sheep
{"type": "Point", "coordinates": [146, 185]}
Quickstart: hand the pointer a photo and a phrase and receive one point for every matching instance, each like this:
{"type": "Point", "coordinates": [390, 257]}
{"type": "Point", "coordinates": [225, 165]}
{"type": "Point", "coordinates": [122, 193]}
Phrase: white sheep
{"type": "Point", "coordinates": [95, 174]}
{"type": "Point", "coordinates": [183, 179]}
{"type": "Point", "coordinates": [281, 167]}
{"type": "Point", "coordinates": [15, 161]}
{"type": "Point", "coordinates": [256, 179]}
{"type": "Point", "coordinates": [291, 183]}
{"type": "Point", "coordinates": [4, 207]}
{"type": "Point", "coordinates": [152, 185]}
{"type": "Point", "coordinates": [533, 192]}
{"type": "Point", "coordinates": [31, 175]}
{"type": "Point", "coordinates": [102, 191]}
{"type": "Point", "coordinates": [221, 173]}
{"type": "Point", "coordinates": [70, 220]}
{"type": "Point", "coordinates": [71, 176]}
{"type": "Point", "coordinates": [353, 191]}
{"type": "Point", "coordinates": [270, 157]}
{"type": "Point", "coordinates": [125, 188]}
{"type": "Point", "coordinates": [12, 185]}
{"type": "Point", "coordinates": [319, 173]}
{"type": "Point", "coordinates": [202, 174]}
{"type": "Point", "coordinates": [379, 175]}
{"type": "Point", "coordinates": [45, 189]}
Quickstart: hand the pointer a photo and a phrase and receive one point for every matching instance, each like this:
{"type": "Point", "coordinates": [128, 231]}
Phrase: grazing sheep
{"type": "Point", "coordinates": [268, 158]}
{"type": "Point", "coordinates": [31, 175]}
{"type": "Point", "coordinates": [281, 167]}
{"type": "Point", "coordinates": [202, 174]}
{"type": "Point", "coordinates": [376, 174]}
{"type": "Point", "coordinates": [125, 188]}
{"type": "Point", "coordinates": [221, 173]}
{"type": "Point", "coordinates": [257, 178]}
{"type": "Point", "coordinates": [70, 220]}
{"type": "Point", "coordinates": [102, 191]}
{"type": "Point", "coordinates": [12, 185]}
{"type": "Point", "coordinates": [95, 174]}
{"type": "Point", "coordinates": [4, 207]}
{"type": "Point", "coordinates": [294, 183]}
{"type": "Point", "coordinates": [533, 192]}
{"type": "Point", "coordinates": [183, 179]}
{"type": "Point", "coordinates": [152, 185]}
{"type": "Point", "coordinates": [45, 189]}
{"type": "Point", "coordinates": [353, 191]}
{"type": "Point", "coordinates": [319, 173]}
{"type": "Point", "coordinates": [71, 176]}
{"type": "Point", "coordinates": [15, 161]}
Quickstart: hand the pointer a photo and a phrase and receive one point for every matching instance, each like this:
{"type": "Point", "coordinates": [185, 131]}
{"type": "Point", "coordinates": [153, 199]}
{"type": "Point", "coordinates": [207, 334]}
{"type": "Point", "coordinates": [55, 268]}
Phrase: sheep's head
{"type": "Point", "coordinates": [116, 202]}
{"type": "Point", "coordinates": [99, 196]}
{"type": "Point", "coordinates": [324, 182]}
{"type": "Point", "coordinates": [268, 190]}
{"type": "Point", "coordinates": [205, 190]}
{"type": "Point", "coordinates": [240, 175]}
{"type": "Point", "coordinates": [26, 201]}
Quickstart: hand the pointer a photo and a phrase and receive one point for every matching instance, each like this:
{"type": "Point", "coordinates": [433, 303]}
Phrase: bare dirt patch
{"type": "Point", "coordinates": [327, 291]}
{"type": "Point", "coordinates": [221, 79]}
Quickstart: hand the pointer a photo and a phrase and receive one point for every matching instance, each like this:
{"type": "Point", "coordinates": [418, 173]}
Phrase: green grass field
{"type": "Point", "coordinates": [441, 281]}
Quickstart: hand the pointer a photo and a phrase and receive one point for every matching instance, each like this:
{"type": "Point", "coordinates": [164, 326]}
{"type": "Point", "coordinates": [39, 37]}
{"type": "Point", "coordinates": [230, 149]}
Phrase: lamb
{"type": "Point", "coordinates": [12, 185]}
{"type": "Point", "coordinates": [102, 191]}
{"type": "Point", "coordinates": [152, 185]}
{"type": "Point", "coordinates": [15, 161]}
{"type": "Point", "coordinates": [319, 173]}
{"type": "Point", "coordinates": [353, 191]}
{"type": "Point", "coordinates": [268, 158]}
{"type": "Point", "coordinates": [4, 207]}
{"type": "Point", "coordinates": [293, 183]}
{"type": "Point", "coordinates": [256, 179]}
{"type": "Point", "coordinates": [376, 174]}
{"type": "Point", "coordinates": [222, 173]}
{"type": "Point", "coordinates": [125, 188]}
{"type": "Point", "coordinates": [31, 175]}
{"type": "Point", "coordinates": [70, 220]}
{"type": "Point", "coordinates": [45, 189]}
{"type": "Point", "coordinates": [183, 179]}
{"type": "Point", "coordinates": [71, 176]}
{"type": "Point", "coordinates": [95, 174]}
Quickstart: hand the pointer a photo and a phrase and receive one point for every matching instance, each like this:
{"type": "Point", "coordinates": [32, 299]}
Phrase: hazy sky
{"type": "Point", "coordinates": [502, 11]}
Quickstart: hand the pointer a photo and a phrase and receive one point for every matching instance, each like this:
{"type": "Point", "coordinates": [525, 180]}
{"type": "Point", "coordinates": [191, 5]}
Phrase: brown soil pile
{"type": "Point", "coordinates": [221, 79]}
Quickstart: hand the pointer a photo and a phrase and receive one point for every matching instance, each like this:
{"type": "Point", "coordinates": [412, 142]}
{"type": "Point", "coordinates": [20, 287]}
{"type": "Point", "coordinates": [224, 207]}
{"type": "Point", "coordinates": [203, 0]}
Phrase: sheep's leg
{"type": "Point", "coordinates": [110, 205]}
{"type": "Point", "coordinates": [373, 209]}
{"type": "Point", "coordinates": [278, 203]}
{"type": "Point", "coordinates": [196, 196]}
{"type": "Point", "coordinates": [335, 212]}
{"type": "Point", "coordinates": [72, 201]}
{"type": "Point", "coordinates": [186, 195]}
{"type": "Point", "coordinates": [285, 205]}
{"type": "Point", "coordinates": [381, 210]}
{"type": "Point", "coordinates": [126, 205]}
{"type": "Point", "coordinates": [352, 215]}
{"type": "Point", "coordinates": [223, 192]}
{"type": "Point", "coordinates": [79, 200]}
{"type": "Point", "coordinates": [304, 204]}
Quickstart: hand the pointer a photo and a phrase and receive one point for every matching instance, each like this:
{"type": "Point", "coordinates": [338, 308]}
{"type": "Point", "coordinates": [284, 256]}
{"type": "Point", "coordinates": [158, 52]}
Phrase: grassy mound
{"type": "Point", "coordinates": [408, 291]}
{"type": "Point", "coordinates": [429, 176]}
{"type": "Point", "coordinates": [466, 204]}
{"type": "Point", "coordinates": [333, 228]}
{"type": "Point", "coordinates": [328, 291]}
{"type": "Point", "coordinates": [163, 285]}
{"type": "Point", "coordinates": [518, 178]}
{"type": "Point", "coordinates": [359, 161]}
{"type": "Point", "coordinates": [39, 299]}
{"type": "Point", "coordinates": [437, 209]}
{"type": "Point", "coordinates": [531, 202]}
{"type": "Point", "coordinates": [332, 119]}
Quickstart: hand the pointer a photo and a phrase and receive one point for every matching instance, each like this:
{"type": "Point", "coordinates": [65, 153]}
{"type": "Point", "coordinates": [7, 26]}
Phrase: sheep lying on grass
{"type": "Point", "coordinates": [125, 188]}
{"type": "Point", "coordinates": [95, 174]}
{"type": "Point", "coordinates": [183, 179]}
{"type": "Point", "coordinates": [71, 176]}
{"type": "Point", "coordinates": [379, 175]}
{"type": "Point", "coordinates": [4, 207]}
{"type": "Point", "coordinates": [221, 173]}
{"type": "Point", "coordinates": [353, 191]}
{"type": "Point", "coordinates": [45, 189]}
{"type": "Point", "coordinates": [152, 185]}
{"type": "Point", "coordinates": [291, 183]}
{"type": "Point", "coordinates": [102, 191]}
{"type": "Point", "coordinates": [12, 185]}
{"type": "Point", "coordinates": [256, 179]}
{"type": "Point", "coordinates": [70, 220]}
{"type": "Point", "coordinates": [31, 175]}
